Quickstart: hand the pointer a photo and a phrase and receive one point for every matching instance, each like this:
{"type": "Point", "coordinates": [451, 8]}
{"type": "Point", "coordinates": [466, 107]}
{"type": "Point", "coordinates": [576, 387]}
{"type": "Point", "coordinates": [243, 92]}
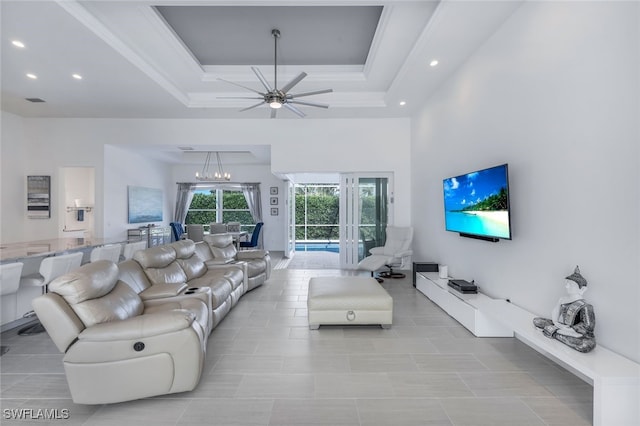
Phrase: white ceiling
{"type": "Point", "coordinates": [373, 54]}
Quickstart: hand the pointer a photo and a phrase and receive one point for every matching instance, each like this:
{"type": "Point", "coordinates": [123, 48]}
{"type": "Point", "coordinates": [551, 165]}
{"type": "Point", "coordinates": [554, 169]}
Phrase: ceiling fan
{"type": "Point", "coordinates": [274, 97]}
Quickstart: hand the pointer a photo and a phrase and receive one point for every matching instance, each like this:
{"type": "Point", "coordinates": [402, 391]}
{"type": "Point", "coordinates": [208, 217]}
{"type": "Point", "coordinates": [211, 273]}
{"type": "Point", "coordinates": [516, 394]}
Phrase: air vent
{"type": "Point", "coordinates": [35, 100]}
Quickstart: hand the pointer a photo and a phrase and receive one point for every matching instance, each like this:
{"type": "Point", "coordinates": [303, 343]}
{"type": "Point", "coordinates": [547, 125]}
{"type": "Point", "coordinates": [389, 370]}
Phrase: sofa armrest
{"type": "Point", "coordinates": [251, 254]}
{"type": "Point", "coordinates": [161, 291]}
{"type": "Point", "coordinates": [139, 327]}
{"type": "Point", "coordinates": [377, 250]}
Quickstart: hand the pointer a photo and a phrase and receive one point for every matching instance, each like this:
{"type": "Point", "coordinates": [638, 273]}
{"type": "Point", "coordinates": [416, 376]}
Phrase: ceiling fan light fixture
{"type": "Point", "coordinates": [275, 96]}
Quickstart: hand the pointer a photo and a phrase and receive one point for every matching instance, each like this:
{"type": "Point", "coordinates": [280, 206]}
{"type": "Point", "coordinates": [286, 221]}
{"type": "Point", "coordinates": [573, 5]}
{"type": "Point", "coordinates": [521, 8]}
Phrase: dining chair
{"type": "Point", "coordinates": [255, 237]}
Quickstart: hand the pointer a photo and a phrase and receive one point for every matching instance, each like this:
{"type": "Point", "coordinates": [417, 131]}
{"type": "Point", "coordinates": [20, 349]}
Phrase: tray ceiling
{"type": "Point", "coordinates": [163, 59]}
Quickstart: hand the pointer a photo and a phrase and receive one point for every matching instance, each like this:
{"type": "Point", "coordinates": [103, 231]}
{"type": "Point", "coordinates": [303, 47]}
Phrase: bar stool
{"type": "Point", "coordinates": [9, 284]}
{"type": "Point", "coordinates": [50, 269]}
{"type": "Point", "coordinates": [107, 252]}
{"type": "Point", "coordinates": [131, 248]}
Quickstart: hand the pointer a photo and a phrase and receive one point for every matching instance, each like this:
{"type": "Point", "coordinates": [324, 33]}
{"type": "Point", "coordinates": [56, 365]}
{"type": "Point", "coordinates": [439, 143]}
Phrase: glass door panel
{"type": "Point", "coordinates": [290, 218]}
{"type": "Point", "coordinates": [364, 214]}
{"type": "Point", "coordinates": [373, 196]}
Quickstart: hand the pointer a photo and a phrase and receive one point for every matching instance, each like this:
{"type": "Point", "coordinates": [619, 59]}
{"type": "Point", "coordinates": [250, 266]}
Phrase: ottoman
{"type": "Point", "coordinates": [348, 300]}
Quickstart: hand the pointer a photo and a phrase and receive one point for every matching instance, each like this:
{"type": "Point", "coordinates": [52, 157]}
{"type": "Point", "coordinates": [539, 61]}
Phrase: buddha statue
{"type": "Point", "coordinates": [572, 319]}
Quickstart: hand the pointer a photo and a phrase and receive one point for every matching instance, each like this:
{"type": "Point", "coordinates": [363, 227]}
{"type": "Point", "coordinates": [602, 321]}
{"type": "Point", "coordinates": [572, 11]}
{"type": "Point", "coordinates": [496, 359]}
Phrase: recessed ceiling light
{"type": "Point", "coordinates": [433, 63]}
{"type": "Point", "coordinates": [76, 76]}
{"type": "Point", "coordinates": [17, 43]}
{"type": "Point", "coordinates": [32, 76]}
{"type": "Point", "coordinates": [402, 103]}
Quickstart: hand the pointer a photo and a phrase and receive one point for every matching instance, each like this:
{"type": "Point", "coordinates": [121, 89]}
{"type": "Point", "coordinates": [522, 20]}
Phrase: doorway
{"type": "Point", "coordinates": [77, 189]}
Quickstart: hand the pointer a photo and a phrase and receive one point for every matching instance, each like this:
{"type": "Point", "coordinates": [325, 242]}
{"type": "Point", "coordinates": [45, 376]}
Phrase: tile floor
{"type": "Point", "coordinates": [265, 367]}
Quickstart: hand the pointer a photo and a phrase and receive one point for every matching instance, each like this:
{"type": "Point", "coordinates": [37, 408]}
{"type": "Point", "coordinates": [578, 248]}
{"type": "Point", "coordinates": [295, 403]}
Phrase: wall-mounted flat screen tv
{"type": "Point", "coordinates": [476, 204]}
{"type": "Point", "coordinates": [145, 204]}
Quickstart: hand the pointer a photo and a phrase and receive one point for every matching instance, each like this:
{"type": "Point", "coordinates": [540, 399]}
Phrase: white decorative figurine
{"type": "Point", "coordinates": [572, 320]}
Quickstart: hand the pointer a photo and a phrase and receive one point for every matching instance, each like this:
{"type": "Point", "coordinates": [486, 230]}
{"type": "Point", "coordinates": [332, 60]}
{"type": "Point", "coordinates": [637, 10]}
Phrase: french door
{"type": "Point", "coordinates": [366, 202]}
{"type": "Point", "coordinates": [290, 219]}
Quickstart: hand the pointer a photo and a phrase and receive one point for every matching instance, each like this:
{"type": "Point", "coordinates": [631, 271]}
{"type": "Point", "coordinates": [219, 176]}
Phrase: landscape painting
{"type": "Point", "coordinates": [145, 204]}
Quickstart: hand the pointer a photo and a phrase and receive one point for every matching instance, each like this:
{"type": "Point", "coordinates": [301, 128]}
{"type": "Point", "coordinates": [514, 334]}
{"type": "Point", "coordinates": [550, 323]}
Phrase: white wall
{"type": "Point", "coordinates": [13, 179]}
{"type": "Point", "coordinates": [554, 93]}
{"type": "Point", "coordinates": [297, 146]}
{"type": "Point", "coordinates": [125, 168]}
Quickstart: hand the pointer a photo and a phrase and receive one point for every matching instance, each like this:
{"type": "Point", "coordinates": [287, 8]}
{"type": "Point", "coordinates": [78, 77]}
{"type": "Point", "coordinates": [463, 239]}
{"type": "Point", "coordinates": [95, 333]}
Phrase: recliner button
{"type": "Point", "coordinates": [138, 346]}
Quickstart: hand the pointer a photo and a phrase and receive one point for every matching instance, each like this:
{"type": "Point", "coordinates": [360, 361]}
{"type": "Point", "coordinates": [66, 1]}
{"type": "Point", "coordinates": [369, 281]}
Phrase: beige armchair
{"type": "Point", "coordinates": [116, 349]}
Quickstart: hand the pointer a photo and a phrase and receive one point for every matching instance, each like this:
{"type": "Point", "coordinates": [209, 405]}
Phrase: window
{"type": "Point", "coordinates": [219, 205]}
{"type": "Point", "coordinates": [317, 207]}
{"type": "Point", "coordinates": [203, 207]}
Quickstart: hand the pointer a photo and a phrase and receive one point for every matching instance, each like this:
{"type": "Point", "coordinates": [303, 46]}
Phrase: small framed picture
{"type": "Point", "coordinates": [273, 190]}
{"type": "Point", "coordinates": [273, 201]}
{"type": "Point", "coordinates": [274, 211]}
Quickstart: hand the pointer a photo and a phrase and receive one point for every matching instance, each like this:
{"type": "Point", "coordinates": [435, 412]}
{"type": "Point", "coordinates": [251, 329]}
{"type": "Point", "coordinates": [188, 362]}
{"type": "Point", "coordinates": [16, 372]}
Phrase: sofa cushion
{"type": "Point", "coordinates": [195, 306]}
{"type": "Point", "coordinates": [184, 248]}
{"type": "Point", "coordinates": [91, 280]}
{"type": "Point", "coordinates": [155, 257]}
{"type": "Point", "coordinates": [132, 273]}
{"type": "Point", "coordinates": [119, 304]}
{"type": "Point", "coordinates": [220, 287]}
{"type": "Point", "coordinates": [203, 251]}
{"type": "Point", "coordinates": [221, 246]}
{"type": "Point", "coordinates": [193, 267]}
{"type": "Point", "coordinates": [170, 274]}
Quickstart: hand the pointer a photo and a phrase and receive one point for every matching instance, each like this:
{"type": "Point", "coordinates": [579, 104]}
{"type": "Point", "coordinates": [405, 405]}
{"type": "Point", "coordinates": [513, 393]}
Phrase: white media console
{"type": "Point", "coordinates": [615, 379]}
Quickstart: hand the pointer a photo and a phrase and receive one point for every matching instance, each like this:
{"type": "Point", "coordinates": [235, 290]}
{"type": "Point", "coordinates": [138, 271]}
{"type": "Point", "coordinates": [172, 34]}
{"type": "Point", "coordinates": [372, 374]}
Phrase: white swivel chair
{"type": "Point", "coordinates": [9, 284]}
{"type": "Point", "coordinates": [131, 248]}
{"type": "Point", "coordinates": [50, 268]}
{"type": "Point", "coordinates": [396, 253]}
{"type": "Point", "coordinates": [195, 232]}
{"type": "Point", "coordinates": [107, 252]}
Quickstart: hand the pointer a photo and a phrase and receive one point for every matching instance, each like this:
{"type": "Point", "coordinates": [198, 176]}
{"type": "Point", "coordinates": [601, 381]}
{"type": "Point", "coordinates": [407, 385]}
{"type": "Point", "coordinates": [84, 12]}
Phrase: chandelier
{"type": "Point", "coordinates": [207, 175]}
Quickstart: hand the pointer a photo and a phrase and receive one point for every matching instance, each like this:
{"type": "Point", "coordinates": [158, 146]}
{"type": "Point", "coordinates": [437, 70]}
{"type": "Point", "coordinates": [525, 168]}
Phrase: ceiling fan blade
{"type": "Point", "coordinates": [239, 97]}
{"type": "Point", "coordinates": [294, 110]}
{"type": "Point", "coordinates": [273, 112]}
{"type": "Point", "coordinates": [293, 82]}
{"type": "Point", "coordinates": [313, 104]}
{"type": "Point", "coordinates": [263, 80]}
{"type": "Point", "coordinates": [253, 106]}
{"type": "Point", "coordinates": [315, 92]}
{"type": "Point", "coordinates": [240, 85]}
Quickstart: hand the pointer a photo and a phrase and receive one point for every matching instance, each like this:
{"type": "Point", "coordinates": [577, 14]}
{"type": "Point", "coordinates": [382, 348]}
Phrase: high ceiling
{"type": "Point", "coordinates": [165, 59]}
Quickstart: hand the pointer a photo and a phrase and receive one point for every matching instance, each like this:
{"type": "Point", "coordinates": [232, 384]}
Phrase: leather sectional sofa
{"type": "Point", "coordinates": [139, 328]}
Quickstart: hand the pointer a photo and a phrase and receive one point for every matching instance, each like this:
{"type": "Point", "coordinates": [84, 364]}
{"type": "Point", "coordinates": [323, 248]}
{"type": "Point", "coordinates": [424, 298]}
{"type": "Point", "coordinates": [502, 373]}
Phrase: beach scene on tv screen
{"type": "Point", "coordinates": [477, 203]}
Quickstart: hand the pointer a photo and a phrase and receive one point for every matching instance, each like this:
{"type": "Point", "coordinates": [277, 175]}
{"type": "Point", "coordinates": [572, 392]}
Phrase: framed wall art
{"type": "Point", "coordinates": [145, 204]}
{"type": "Point", "coordinates": [39, 197]}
